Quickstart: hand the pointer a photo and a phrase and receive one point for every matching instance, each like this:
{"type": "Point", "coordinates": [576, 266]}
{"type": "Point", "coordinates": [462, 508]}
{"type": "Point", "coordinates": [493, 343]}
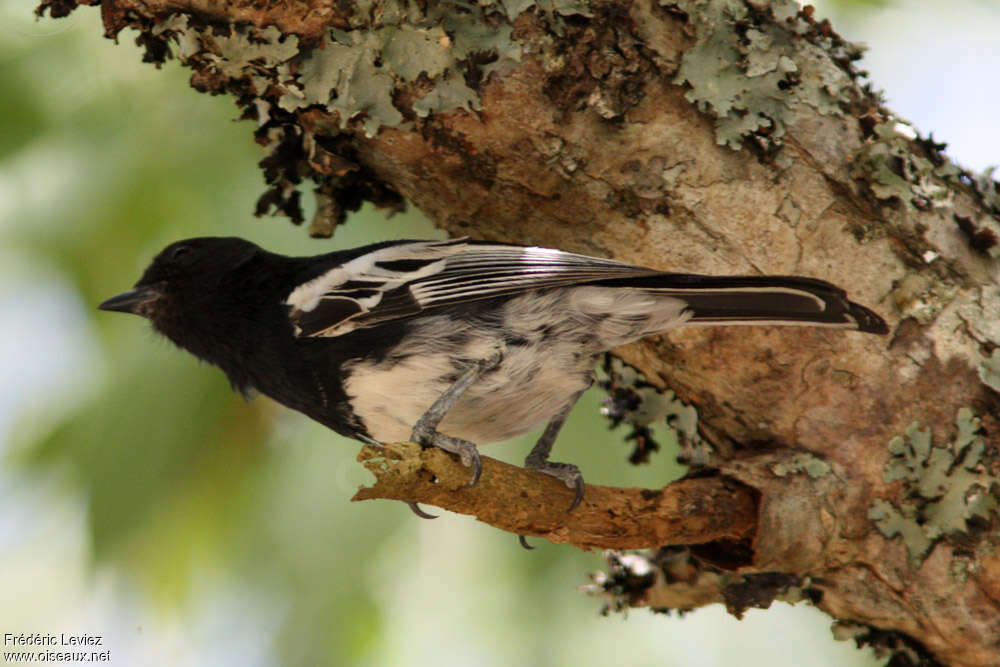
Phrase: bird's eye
{"type": "Point", "coordinates": [180, 253]}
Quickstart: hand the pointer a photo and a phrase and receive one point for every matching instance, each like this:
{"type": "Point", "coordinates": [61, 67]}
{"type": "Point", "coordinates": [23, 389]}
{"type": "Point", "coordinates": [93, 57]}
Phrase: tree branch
{"type": "Point", "coordinates": [524, 502]}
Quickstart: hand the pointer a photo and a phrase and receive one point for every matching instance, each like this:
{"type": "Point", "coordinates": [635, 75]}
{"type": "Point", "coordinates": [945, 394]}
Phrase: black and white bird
{"type": "Point", "coordinates": [451, 344]}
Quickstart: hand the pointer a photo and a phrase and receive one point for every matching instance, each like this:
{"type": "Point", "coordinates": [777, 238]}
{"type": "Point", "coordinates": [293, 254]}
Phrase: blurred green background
{"type": "Point", "coordinates": [141, 500]}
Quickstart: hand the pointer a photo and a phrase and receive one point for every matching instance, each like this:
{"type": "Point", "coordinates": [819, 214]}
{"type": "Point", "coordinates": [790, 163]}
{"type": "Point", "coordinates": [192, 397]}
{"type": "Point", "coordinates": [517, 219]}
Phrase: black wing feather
{"type": "Point", "coordinates": [423, 275]}
{"type": "Point", "coordinates": [405, 279]}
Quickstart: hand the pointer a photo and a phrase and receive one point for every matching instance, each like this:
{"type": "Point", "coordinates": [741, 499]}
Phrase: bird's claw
{"type": "Point", "coordinates": [465, 450]}
{"type": "Point", "coordinates": [578, 484]}
{"type": "Point", "coordinates": [419, 512]}
{"type": "Point", "coordinates": [567, 472]}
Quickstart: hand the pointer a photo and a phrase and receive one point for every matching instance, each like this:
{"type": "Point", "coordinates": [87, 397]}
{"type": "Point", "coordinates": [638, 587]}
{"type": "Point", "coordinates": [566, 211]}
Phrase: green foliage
{"type": "Point", "coordinates": [128, 448]}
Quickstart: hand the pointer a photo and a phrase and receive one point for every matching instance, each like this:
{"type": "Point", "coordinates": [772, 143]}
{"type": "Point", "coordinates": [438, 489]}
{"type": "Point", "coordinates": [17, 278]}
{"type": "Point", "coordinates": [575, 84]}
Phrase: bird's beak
{"type": "Point", "coordinates": [133, 301]}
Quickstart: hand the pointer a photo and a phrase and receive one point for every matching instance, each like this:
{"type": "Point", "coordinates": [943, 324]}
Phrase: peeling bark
{"type": "Point", "coordinates": [570, 130]}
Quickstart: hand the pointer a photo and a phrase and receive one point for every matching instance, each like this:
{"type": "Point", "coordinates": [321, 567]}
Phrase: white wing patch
{"type": "Point", "coordinates": [365, 268]}
{"type": "Point", "coordinates": [405, 279]}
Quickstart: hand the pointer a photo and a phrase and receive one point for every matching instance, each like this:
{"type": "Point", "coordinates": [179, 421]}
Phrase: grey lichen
{"type": "Point", "coordinates": [922, 296]}
{"type": "Point", "coordinates": [252, 54]}
{"type": "Point", "coordinates": [356, 72]}
{"type": "Point", "coordinates": [892, 169]}
{"type": "Point", "coordinates": [982, 228]}
{"type": "Point", "coordinates": [892, 521]}
{"type": "Point", "coordinates": [981, 318]}
{"type": "Point", "coordinates": [898, 165]}
{"type": "Point", "coordinates": [989, 371]}
{"type": "Point", "coordinates": [395, 63]}
{"type": "Point", "coordinates": [981, 315]}
{"type": "Point", "coordinates": [643, 406]}
{"type": "Point", "coordinates": [676, 579]}
{"type": "Point", "coordinates": [751, 70]}
{"type": "Point", "coordinates": [891, 648]}
{"type": "Point", "coordinates": [347, 79]}
{"type": "Point", "coordinates": [450, 93]}
{"type": "Point", "coordinates": [983, 232]}
{"type": "Point", "coordinates": [802, 463]}
{"type": "Point", "coordinates": [944, 487]}
{"type": "Point", "coordinates": [630, 575]}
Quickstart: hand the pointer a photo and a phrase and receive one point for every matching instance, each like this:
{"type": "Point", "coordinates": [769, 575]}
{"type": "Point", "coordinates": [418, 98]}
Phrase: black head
{"type": "Point", "coordinates": [184, 274]}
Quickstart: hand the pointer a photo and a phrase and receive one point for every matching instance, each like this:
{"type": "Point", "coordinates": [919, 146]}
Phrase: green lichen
{"type": "Point", "coordinates": [432, 57]}
{"type": "Point", "coordinates": [249, 53]}
{"type": "Point", "coordinates": [981, 316]}
{"type": "Point", "coordinates": [347, 79]}
{"type": "Point", "coordinates": [415, 51]}
{"type": "Point", "coordinates": [944, 486]}
{"type": "Point", "coordinates": [893, 165]}
{"type": "Point", "coordinates": [450, 93]}
{"type": "Point", "coordinates": [643, 406]}
{"type": "Point", "coordinates": [989, 371]}
{"type": "Point", "coordinates": [892, 169]}
{"type": "Point", "coordinates": [355, 73]}
{"type": "Point", "coordinates": [922, 296]}
{"type": "Point", "coordinates": [752, 74]}
{"type": "Point", "coordinates": [657, 407]}
{"type": "Point", "coordinates": [815, 467]}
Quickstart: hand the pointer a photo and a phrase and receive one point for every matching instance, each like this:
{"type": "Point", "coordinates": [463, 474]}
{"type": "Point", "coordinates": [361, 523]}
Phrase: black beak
{"type": "Point", "coordinates": [131, 301]}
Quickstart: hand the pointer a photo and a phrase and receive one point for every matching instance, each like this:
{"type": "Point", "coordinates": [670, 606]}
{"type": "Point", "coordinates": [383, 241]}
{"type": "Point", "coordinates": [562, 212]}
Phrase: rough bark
{"type": "Point", "coordinates": [698, 135]}
{"type": "Point", "coordinates": [691, 511]}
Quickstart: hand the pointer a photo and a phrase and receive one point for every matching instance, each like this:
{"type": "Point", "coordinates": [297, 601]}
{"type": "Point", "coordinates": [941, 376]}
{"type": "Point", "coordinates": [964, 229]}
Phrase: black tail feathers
{"type": "Point", "coordinates": [764, 300]}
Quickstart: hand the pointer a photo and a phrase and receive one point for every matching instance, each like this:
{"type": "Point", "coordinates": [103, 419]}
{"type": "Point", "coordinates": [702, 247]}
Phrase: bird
{"type": "Point", "coordinates": [447, 343]}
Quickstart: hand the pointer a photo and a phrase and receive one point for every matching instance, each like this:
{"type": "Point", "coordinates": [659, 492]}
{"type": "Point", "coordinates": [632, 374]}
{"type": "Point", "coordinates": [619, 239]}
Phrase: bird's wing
{"type": "Point", "coordinates": [409, 278]}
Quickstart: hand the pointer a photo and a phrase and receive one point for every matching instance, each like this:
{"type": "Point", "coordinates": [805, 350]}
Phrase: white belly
{"type": "Point", "coordinates": [517, 396]}
{"type": "Point", "coordinates": [548, 346]}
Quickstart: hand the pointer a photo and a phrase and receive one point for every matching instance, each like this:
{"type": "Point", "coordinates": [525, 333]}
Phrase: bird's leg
{"type": "Point", "coordinates": [425, 430]}
{"type": "Point", "coordinates": [538, 458]}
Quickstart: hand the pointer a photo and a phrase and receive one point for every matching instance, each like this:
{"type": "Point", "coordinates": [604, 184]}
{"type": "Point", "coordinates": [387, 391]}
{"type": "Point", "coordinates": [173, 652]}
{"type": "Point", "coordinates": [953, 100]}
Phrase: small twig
{"type": "Point", "coordinates": [523, 502]}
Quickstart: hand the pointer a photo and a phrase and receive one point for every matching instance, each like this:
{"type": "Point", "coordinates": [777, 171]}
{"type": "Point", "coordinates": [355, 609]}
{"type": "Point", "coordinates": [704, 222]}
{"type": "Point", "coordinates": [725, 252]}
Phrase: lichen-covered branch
{"type": "Point", "coordinates": [524, 502]}
{"type": "Point", "coordinates": [713, 136]}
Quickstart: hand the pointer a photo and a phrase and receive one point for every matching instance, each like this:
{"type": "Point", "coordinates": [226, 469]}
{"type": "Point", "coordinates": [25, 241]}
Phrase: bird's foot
{"type": "Point", "coordinates": [466, 451]}
{"type": "Point", "coordinates": [567, 472]}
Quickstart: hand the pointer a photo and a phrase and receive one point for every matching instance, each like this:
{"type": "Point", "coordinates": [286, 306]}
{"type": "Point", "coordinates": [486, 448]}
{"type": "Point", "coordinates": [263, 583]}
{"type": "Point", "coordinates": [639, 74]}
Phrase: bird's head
{"type": "Point", "coordinates": [183, 281]}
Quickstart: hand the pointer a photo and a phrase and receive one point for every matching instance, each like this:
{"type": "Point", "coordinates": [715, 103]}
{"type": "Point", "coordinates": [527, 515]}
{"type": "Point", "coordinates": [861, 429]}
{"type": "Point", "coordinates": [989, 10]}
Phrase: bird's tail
{"type": "Point", "coordinates": [784, 300]}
